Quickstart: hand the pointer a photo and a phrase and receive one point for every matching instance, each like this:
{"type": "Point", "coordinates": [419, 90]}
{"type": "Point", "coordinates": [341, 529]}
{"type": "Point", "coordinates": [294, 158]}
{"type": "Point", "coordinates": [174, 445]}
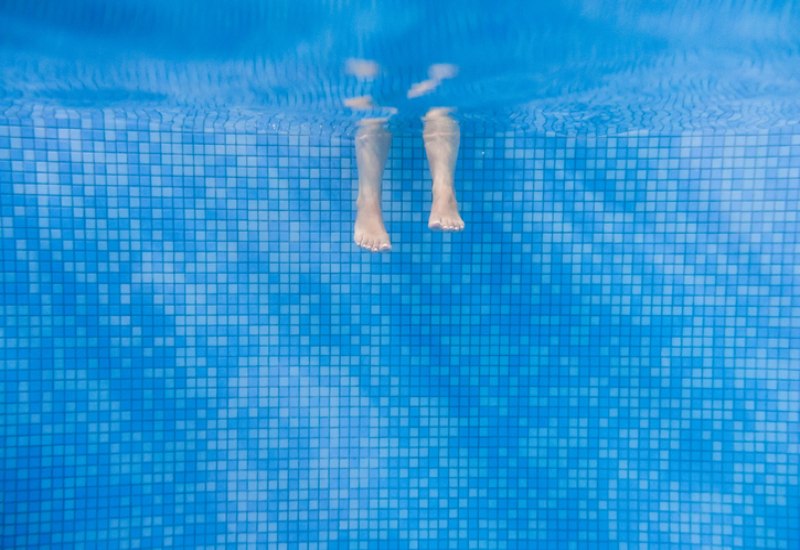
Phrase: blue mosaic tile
{"type": "Point", "coordinates": [194, 354]}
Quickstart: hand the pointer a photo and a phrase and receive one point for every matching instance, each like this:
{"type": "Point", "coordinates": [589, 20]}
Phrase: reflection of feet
{"type": "Point", "coordinates": [436, 74]}
{"type": "Point", "coordinates": [365, 69]}
{"type": "Point", "coordinates": [442, 71]}
{"type": "Point", "coordinates": [422, 88]}
{"type": "Point", "coordinates": [370, 232]}
{"type": "Point", "coordinates": [444, 212]}
{"type": "Point", "coordinates": [361, 103]}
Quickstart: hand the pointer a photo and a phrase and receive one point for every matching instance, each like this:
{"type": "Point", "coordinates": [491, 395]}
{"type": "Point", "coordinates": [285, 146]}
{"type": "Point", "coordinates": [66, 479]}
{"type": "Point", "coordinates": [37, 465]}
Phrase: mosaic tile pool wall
{"type": "Point", "coordinates": [195, 355]}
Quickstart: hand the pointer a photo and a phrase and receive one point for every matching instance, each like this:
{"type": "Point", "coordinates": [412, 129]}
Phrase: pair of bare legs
{"type": "Point", "coordinates": [373, 141]}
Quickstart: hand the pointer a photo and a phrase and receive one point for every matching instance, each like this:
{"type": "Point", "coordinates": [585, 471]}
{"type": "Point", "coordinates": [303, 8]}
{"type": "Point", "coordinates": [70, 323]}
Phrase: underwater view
{"type": "Point", "coordinates": [399, 274]}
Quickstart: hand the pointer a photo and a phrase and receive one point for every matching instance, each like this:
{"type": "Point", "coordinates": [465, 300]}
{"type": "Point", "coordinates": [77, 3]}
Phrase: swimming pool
{"type": "Point", "coordinates": [195, 354]}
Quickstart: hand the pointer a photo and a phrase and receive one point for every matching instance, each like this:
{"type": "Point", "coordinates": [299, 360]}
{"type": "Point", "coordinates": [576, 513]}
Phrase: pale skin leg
{"type": "Point", "coordinates": [442, 137]}
{"type": "Point", "coordinates": [373, 141]}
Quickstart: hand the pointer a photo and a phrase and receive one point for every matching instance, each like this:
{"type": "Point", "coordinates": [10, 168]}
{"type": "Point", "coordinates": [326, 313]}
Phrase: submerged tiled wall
{"type": "Point", "coordinates": [194, 354]}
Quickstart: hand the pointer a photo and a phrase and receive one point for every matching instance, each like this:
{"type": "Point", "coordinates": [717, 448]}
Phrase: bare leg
{"type": "Point", "coordinates": [442, 138]}
{"type": "Point", "coordinates": [372, 149]}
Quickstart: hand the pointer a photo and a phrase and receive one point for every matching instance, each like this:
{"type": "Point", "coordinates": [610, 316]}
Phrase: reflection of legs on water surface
{"type": "Point", "coordinates": [442, 136]}
{"type": "Point", "coordinates": [372, 148]}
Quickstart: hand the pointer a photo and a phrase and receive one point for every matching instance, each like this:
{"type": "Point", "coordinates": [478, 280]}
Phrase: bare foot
{"type": "Point", "coordinates": [372, 148]}
{"type": "Point", "coordinates": [370, 233]}
{"type": "Point", "coordinates": [444, 212]}
{"type": "Point", "coordinates": [442, 138]}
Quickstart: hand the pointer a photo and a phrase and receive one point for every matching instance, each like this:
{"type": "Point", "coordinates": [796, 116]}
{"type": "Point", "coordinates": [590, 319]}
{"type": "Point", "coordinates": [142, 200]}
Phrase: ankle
{"type": "Point", "coordinates": [443, 189]}
{"type": "Point", "coordinates": [368, 200]}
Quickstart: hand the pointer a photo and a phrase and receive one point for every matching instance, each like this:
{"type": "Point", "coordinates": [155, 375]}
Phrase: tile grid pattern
{"type": "Point", "coordinates": [195, 355]}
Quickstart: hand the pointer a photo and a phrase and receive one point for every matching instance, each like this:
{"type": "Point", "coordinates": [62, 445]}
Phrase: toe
{"type": "Point", "coordinates": [372, 243]}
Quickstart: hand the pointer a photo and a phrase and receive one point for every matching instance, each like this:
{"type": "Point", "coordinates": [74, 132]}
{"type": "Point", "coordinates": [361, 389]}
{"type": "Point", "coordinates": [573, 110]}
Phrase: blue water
{"type": "Point", "coordinates": [194, 354]}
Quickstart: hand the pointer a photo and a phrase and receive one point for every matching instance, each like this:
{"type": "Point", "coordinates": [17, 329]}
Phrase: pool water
{"type": "Point", "coordinates": [194, 353]}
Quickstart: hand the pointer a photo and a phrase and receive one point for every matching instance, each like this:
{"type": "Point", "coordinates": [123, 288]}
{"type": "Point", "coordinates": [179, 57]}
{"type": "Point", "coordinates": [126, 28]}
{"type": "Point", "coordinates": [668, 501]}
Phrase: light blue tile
{"type": "Point", "coordinates": [606, 357]}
